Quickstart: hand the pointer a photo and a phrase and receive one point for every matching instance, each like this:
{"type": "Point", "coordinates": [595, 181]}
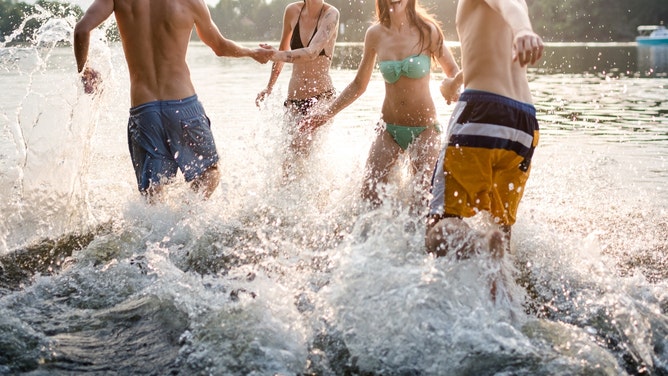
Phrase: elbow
{"type": "Point", "coordinates": [80, 33]}
{"type": "Point", "coordinates": [309, 54]}
{"type": "Point", "coordinates": [312, 54]}
{"type": "Point", "coordinates": [220, 50]}
{"type": "Point", "coordinates": [225, 48]}
{"type": "Point", "coordinates": [451, 70]}
{"type": "Point", "coordinates": [359, 88]}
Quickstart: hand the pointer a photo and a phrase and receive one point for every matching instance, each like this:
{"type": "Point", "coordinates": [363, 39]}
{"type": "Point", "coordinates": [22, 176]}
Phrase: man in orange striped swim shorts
{"type": "Point", "coordinates": [493, 131]}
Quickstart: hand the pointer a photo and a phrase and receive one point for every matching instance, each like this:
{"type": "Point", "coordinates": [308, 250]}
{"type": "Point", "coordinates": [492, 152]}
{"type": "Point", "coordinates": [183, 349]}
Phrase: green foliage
{"type": "Point", "coordinates": [259, 20]}
{"type": "Point", "coordinates": [595, 20]}
{"type": "Point", "coordinates": [10, 16]}
{"type": "Point", "coordinates": [554, 20]}
{"type": "Point", "coordinates": [19, 21]}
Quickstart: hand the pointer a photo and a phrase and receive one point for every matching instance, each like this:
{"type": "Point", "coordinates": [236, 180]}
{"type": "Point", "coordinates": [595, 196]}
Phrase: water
{"type": "Point", "coordinates": [266, 279]}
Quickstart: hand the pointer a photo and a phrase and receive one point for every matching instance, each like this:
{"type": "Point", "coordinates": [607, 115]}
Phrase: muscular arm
{"type": "Point", "coordinates": [209, 33]}
{"type": "Point", "coordinates": [327, 29]}
{"type": "Point", "coordinates": [97, 13]}
{"type": "Point", "coordinates": [514, 12]}
{"type": "Point", "coordinates": [527, 45]}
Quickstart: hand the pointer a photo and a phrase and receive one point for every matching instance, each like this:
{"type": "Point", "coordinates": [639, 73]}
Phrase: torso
{"type": "Point", "coordinates": [486, 42]}
{"type": "Point", "coordinates": [296, 40]}
{"type": "Point", "coordinates": [408, 101]}
{"type": "Point", "coordinates": [157, 33]}
{"type": "Point", "coordinates": [311, 78]}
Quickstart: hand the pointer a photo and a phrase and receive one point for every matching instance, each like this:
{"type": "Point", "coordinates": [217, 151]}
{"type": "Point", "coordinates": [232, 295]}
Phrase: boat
{"type": "Point", "coordinates": [652, 35]}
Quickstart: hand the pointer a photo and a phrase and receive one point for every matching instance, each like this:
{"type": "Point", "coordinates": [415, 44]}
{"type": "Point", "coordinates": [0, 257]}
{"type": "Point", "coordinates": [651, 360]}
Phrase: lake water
{"type": "Point", "coordinates": [265, 279]}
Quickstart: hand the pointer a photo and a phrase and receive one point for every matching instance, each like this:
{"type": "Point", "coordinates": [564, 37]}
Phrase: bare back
{"type": "Point", "coordinates": [487, 52]}
{"type": "Point", "coordinates": [155, 35]}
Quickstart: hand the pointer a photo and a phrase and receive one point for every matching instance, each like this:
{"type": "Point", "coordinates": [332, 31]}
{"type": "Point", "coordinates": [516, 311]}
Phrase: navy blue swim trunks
{"type": "Point", "coordinates": [165, 136]}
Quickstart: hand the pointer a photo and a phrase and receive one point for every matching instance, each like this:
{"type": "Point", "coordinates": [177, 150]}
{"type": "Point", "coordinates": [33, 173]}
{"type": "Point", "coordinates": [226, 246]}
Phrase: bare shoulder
{"type": "Point", "coordinates": [184, 12]}
{"type": "Point", "coordinates": [330, 16]}
{"type": "Point", "coordinates": [193, 4]}
{"type": "Point", "coordinates": [331, 10]}
{"type": "Point", "coordinates": [294, 8]}
{"type": "Point", "coordinates": [375, 31]}
{"type": "Point", "coordinates": [435, 33]}
{"type": "Point", "coordinates": [374, 34]}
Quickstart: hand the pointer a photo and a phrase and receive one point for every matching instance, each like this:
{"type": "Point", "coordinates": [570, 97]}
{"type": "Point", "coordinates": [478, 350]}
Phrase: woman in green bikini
{"type": "Point", "coordinates": [405, 40]}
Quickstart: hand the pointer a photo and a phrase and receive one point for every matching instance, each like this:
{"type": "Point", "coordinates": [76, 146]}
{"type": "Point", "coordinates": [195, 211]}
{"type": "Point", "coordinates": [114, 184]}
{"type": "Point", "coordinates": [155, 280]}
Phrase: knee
{"type": "Point", "coordinates": [208, 181]}
{"type": "Point", "coordinates": [434, 238]}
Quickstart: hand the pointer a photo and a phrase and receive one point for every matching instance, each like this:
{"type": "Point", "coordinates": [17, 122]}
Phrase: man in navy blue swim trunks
{"type": "Point", "coordinates": [168, 129]}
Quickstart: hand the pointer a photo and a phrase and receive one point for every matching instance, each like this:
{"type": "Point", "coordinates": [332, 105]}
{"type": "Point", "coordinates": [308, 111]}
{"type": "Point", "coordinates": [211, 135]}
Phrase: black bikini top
{"type": "Point", "coordinates": [296, 40]}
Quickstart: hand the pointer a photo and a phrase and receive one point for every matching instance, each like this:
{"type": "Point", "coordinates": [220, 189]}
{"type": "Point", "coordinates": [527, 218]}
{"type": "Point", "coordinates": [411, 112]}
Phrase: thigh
{"type": "Point", "coordinates": [424, 151]}
{"type": "Point", "coordinates": [191, 141]}
{"type": "Point", "coordinates": [469, 180]}
{"type": "Point", "coordinates": [510, 181]}
{"type": "Point", "coordinates": [383, 154]}
{"type": "Point", "coordinates": [149, 150]}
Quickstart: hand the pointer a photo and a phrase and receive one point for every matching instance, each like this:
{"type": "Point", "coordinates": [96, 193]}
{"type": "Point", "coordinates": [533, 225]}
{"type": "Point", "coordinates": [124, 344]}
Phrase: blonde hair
{"type": "Point", "coordinates": [420, 18]}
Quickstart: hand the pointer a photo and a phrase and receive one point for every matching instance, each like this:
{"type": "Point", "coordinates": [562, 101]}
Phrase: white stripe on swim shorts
{"type": "Point", "coordinates": [492, 130]}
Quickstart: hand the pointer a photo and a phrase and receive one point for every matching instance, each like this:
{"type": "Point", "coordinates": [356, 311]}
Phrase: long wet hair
{"type": "Point", "coordinates": [417, 16]}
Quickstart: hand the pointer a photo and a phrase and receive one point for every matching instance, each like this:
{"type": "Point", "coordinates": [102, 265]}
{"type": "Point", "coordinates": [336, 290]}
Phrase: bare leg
{"type": "Point", "coordinates": [424, 154]}
{"type": "Point", "coordinates": [507, 230]}
{"type": "Point", "coordinates": [452, 234]}
{"type": "Point", "coordinates": [207, 182]}
{"type": "Point", "coordinates": [154, 193]}
{"type": "Point", "coordinates": [382, 157]}
{"type": "Point", "coordinates": [298, 150]}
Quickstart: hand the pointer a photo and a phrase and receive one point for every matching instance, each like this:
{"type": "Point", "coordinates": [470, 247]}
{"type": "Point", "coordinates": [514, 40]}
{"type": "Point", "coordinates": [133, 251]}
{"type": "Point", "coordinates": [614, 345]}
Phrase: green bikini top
{"type": "Point", "coordinates": [416, 66]}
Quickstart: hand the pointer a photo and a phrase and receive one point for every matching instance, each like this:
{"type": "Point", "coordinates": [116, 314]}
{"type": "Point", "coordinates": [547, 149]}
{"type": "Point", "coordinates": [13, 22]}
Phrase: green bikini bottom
{"type": "Point", "coordinates": [404, 135]}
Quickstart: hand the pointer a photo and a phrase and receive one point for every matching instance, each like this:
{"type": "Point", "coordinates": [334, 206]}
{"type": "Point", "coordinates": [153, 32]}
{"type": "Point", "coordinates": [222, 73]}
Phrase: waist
{"type": "Point", "coordinates": [484, 96]}
{"type": "Point", "coordinates": [323, 95]}
{"type": "Point", "coordinates": [159, 104]}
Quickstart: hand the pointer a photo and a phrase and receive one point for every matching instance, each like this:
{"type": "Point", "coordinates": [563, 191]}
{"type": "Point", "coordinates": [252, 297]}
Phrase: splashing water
{"type": "Point", "coordinates": [267, 279]}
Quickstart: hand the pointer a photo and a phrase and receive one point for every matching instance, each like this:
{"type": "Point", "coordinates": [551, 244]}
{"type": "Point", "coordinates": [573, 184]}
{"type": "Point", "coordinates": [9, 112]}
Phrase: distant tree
{"type": "Point", "coordinates": [257, 20]}
{"type": "Point", "coordinates": [248, 20]}
{"type": "Point", "coordinates": [12, 15]}
{"type": "Point", "coordinates": [596, 20]}
{"type": "Point", "coordinates": [648, 12]}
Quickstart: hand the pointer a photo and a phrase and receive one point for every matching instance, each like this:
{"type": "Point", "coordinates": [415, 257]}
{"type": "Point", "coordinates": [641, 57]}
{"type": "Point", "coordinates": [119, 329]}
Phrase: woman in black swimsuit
{"type": "Point", "coordinates": [310, 28]}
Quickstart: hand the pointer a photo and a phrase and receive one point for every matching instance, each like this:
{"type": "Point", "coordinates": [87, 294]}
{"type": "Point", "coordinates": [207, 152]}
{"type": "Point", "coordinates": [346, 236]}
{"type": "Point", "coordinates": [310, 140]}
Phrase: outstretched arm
{"type": "Point", "coordinates": [527, 45]}
{"type": "Point", "coordinates": [209, 33]}
{"type": "Point", "coordinates": [327, 29]}
{"type": "Point", "coordinates": [99, 11]}
{"type": "Point", "coordinates": [277, 66]}
{"type": "Point", "coordinates": [354, 89]}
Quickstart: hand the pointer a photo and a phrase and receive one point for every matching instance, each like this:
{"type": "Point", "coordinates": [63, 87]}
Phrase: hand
{"type": "Point", "coordinates": [527, 47]}
{"type": "Point", "coordinates": [262, 55]}
{"type": "Point", "coordinates": [262, 96]}
{"type": "Point", "coordinates": [310, 123]}
{"type": "Point", "coordinates": [268, 47]}
{"type": "Point", "coordinates": [450, 88]}
{"type": "Point", "coordinates": [90, 79]}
